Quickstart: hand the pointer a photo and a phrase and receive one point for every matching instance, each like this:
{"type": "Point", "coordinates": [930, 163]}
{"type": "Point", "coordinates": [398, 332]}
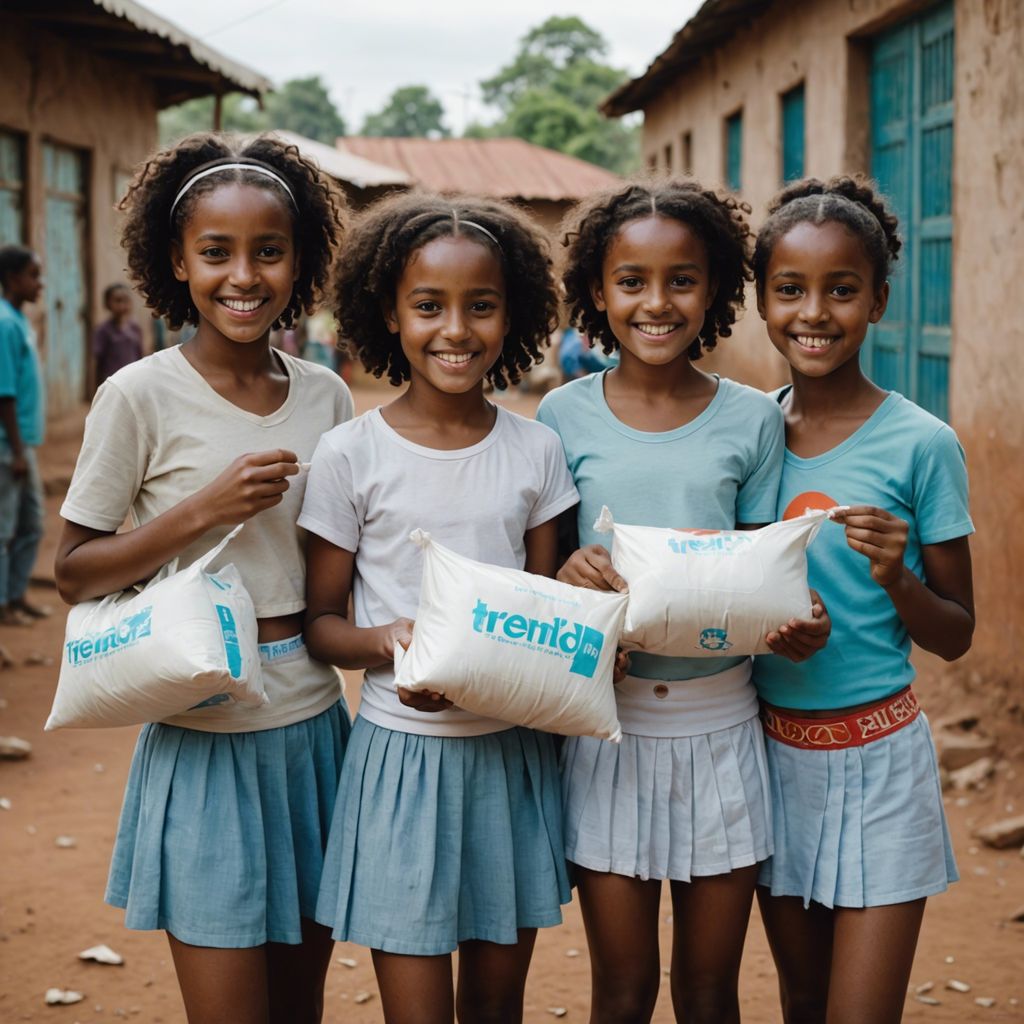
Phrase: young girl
{"type": "Point", "coordinates": [658, 272]}
{"type": "Point", "coordinates": [447, 832]}
{"type": "Point", "coordinates": [225, 817]}
{"type": "Point", "coordinates": [860, 833]}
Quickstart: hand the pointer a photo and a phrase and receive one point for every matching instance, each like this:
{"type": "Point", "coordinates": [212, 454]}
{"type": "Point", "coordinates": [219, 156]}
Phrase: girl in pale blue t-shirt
{"type": "Point", "coordinates": [658, 273]}
{"type": "Point", "coordinates": [860, 833]}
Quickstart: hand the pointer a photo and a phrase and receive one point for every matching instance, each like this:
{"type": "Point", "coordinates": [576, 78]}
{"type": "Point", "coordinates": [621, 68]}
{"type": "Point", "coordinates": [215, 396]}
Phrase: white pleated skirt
{"type": "Point", "coordinates": [675, 808]}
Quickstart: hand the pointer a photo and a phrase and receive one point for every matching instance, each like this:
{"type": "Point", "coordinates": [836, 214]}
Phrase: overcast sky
{"type": "Point", "coordinates": [364, 50]}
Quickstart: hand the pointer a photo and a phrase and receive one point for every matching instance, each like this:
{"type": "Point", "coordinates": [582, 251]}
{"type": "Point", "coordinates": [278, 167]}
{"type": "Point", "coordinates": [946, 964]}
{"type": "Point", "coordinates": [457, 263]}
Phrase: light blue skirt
{"type": "Point", "coordinates": [859, 827]}
{"type": "Point", "coordinates": [668, 808]}
{"type": "Point", "coordinates": [439, 840]}
{"type": "Point", "coordinates": [222, 834]}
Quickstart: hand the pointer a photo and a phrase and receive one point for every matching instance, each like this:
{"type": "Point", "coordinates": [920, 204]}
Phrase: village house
{"type": "Point", "coordinates": [81, 82]}
{"type": "Point", "coordinates": [928, 98]}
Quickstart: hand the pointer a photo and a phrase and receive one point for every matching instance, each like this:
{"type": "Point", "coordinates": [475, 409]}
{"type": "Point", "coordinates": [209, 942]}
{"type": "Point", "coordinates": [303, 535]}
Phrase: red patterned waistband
{"type": "Point", "coordinates": [852, 730]}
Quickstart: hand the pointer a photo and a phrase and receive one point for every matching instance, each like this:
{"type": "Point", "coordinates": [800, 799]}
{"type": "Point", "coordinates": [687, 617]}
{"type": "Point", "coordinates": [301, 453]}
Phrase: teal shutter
{"type": "Point", "coordinates": [912, 77]}
{"type": "Point", "coordinates": [734, 151]}
{"type": "Point", "coordinates": [793, 134]}
{"type": "Point", "coordinates": [12, 189]}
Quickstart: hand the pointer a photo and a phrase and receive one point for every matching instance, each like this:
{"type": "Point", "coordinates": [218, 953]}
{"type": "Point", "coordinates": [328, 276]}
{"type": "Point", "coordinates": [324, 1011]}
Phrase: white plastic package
{"type": "Point", "coordinates": [510, 645]}
{"type": "Point", "coordinates": [711, 593]}
{"type": "Point", "coordinates": [142, 656]}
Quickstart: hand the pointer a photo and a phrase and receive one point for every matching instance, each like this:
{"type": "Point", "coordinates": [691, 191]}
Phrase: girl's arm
{"type": "Point", "coordinates": [939, 614]}
{"type": "Point", "coordinates": [542, 543]}
{"type": "Point", "coordinates": [92, 563]}
{"type": "Point", "coordinates": [333, 638]}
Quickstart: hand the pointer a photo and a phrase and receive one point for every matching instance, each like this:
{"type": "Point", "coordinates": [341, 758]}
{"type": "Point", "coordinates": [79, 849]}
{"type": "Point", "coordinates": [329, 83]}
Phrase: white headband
{"type": "Point", "coordinates": [457, 221]}
{"type": "Point", "coordinates": [257, 168]}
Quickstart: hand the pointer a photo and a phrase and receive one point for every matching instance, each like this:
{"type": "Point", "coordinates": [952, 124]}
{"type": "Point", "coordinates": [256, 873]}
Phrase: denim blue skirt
{"type": "Point", "coordinates": [222, 834]}
{"type": "Point", "coordinates": [440, 840]}
{"type": "Point", "coordinates": [861, 826]}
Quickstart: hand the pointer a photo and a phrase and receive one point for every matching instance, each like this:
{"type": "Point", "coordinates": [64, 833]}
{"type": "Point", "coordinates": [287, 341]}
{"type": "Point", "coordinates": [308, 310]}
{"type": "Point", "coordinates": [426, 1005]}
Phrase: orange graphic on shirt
{"type": "Point", "coordinates": [809, 499]}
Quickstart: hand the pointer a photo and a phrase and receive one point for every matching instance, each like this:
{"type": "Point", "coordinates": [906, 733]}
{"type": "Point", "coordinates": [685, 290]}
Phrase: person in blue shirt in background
{"type": "Point", "coordinates": [22, 419]}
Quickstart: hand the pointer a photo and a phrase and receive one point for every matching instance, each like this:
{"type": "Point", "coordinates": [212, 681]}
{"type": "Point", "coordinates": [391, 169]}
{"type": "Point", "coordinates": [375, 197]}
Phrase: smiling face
{"type": "Point", "coordinates": [450, 313]}
{"type": "Point", "coordinates": [655, 288]}
{"type": "Point", "coordinates": [819, 296]}
{"type": "Point", "coordinates": [237, 255]}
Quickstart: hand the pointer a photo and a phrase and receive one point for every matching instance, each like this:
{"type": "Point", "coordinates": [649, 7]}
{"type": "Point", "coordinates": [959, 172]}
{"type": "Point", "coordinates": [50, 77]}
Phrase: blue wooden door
{"type": "Point", "coordinates": [912, 78]}
{"type": "Point", "coordinates": [12, 189]}
{"type": "Point", "coordinates": [66, 340]}
{"type": "Point", "coordinates": [793, 134]}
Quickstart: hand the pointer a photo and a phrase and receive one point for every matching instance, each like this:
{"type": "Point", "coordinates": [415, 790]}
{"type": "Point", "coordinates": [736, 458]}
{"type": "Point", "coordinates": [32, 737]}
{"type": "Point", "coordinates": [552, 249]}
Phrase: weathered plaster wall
{"type": "Point", "coordinates": [50, 91]}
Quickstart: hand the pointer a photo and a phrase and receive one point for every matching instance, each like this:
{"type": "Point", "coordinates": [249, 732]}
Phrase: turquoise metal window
{"type": "Point", "coordinates": [912, 79]}
{"type": "Point", "coordinates": [12, 189]}
{"type": "Point", "coordinates": [793, 133]}
{"type": "Point", "coordinates": [734, 151]}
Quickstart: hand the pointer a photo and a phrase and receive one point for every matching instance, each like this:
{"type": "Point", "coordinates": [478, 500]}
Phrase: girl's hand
{"type": "Point", "coordinates": [880, 537]}
{"type": "Point", "coordinates": [798, 640]}
{"type": "Point", "coordinates": [400, 632]}
{"type": "Point", "coordinates": [621, 667]}
{"type": "Point", "coordinates": [591, 567]}
{"type": "Point", "coordinates": [251, 484]}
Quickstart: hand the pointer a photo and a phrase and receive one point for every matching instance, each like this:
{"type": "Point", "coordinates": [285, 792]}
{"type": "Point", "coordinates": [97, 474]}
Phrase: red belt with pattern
{"type": "Point", "coordinates": [852, 730]}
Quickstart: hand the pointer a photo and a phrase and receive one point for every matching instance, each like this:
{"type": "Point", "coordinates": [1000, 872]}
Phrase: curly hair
{"type": "Point", "coordinates": [378, 248]}
{"type": "Point", "coordinates": [717, 220]}
{"type": "Point", "coordinates": [318, 215]}
{"type": "Point", "coordinates": [855, 202]}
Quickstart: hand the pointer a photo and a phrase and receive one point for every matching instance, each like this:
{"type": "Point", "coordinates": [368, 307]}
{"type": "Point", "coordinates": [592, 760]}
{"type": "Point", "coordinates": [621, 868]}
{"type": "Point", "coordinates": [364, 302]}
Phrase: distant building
{"type": "Point", "coordinates": [81, 82]}
{"type": "Point", "coordinates": [542, 180]}
{"type": "Point", "coordinates": [929, 99]}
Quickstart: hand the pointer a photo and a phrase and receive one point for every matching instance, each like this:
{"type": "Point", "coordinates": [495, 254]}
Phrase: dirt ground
{"type": "Point", "coordinates": [51, 896]}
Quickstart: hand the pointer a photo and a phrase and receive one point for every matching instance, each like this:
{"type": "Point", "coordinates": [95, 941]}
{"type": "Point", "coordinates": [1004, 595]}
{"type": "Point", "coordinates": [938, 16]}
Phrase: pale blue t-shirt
{"type": "Point", "coordinates": [902, 460]}
{"type": "Point", "coordinates": [719, 470]}
{"type": "Point", "coordinates": [20, 377]}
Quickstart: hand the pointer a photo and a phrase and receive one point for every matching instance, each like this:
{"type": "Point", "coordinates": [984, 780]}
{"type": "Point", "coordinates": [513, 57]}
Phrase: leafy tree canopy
{"type": "Point", "coordinates": [548, 94]}
{"type": "Point", "coordinates": [412, 111]}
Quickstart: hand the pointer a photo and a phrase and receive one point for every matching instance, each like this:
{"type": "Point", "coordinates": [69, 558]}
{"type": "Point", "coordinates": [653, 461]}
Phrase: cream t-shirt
{"type": "Point", "coordinates": [157, 433]}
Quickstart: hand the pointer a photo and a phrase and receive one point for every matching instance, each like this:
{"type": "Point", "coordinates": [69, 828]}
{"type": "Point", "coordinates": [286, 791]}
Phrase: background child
{"type": "Point", "coordinates": [225, 816]}
{"type": "Point", "coordinates": [860, 833]}
{"type": "Point", "coordinates": [658, 272]}
{"type": "Point", "coordinates": [447, 832]}
{"type": "Point", "coordinates": [22, 424]}
{"type": "Point", "coordinates": [118, 340]}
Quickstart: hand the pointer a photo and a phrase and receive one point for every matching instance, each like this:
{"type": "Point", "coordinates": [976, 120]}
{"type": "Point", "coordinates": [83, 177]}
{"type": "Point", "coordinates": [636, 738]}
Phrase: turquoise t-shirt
{"type": "Point", "coordinates": [20, 378]}
{"type": "Point", "coordinates": [903, 460]}
{"type": "Point", "coordinates": [716, 471]}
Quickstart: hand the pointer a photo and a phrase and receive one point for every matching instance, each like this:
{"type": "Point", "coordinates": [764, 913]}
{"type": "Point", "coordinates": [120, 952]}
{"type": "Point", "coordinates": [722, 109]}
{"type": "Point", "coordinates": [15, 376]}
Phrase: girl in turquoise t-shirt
{"type": "Point", "coordinates": [657, 272]}
{"type": "Point", "coordinates": [860, 834]}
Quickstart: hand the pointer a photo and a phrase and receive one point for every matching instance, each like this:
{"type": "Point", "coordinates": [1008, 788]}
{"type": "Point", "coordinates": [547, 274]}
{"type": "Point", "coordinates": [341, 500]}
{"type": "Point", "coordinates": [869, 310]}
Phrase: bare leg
{"type": "Point", "coordinates": [874, 954]}
{"type": "Point", "coordinates": [710, 916]}
{"type": "Point", "coordinates": [221, 985]}
{"type": "Point", "coordinates": [296, 976]}
{"type": "Point", "coordinates": [801, 944]}
{"type": "Point", "coordinates": [621, 918]}
{"type": "Point", "coordinates": [415, 989]}
{"type": "Point", "coordinates": [492, 980]}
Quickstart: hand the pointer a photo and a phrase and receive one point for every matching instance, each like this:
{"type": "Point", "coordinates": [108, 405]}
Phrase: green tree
{"type": "Point", "coordinates": [411, 112]}
{"type": "Point", "coordinates": [549, 93]}
{"type": "Point", "coordinates": [303, 105]}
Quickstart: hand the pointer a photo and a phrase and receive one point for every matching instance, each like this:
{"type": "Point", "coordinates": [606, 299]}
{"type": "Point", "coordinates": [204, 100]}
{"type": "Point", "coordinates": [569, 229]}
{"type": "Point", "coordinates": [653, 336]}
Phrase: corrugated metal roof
{"type": "Point", "coordinates": [122, 30]}
{"type": "Point", "coordinates": [709, 28]}
{"type": "Point", "coordinates": [345, 166]}
{"type": "Point", "coordinates": [502, 168]}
